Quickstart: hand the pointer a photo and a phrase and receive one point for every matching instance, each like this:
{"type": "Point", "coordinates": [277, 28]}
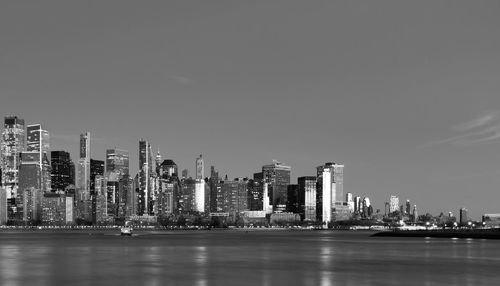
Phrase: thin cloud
{"type": "Point", "coordinates": [484, 129]}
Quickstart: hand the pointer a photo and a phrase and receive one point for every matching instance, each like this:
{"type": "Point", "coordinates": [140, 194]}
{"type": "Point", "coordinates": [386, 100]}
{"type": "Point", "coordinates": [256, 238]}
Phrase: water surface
{"type": "Point", "coordinates": [244, 258]}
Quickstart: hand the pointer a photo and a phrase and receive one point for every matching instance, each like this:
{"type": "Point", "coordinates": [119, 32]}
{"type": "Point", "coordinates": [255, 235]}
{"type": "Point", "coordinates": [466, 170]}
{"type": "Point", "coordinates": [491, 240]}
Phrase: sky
{"type": "Point", "coordinates": [405, 94]}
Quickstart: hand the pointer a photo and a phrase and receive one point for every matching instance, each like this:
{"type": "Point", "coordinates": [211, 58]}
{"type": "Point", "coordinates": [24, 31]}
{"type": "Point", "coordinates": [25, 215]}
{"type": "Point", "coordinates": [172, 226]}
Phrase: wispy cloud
{"type": "Point", "coordinates": [483, 129]}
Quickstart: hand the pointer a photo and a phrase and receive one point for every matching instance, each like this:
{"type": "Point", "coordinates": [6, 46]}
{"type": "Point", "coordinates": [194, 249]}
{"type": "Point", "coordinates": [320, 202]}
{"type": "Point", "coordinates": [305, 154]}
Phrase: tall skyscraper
{"type": "Point", "coordinates": [12, 144]}
{"type": "Point", "coordinates": [145, 173]}
{"type": "Point", "coordinates": [408, 207]}
{"type": "Point", "coordinates": [117, 161]}
{"type": "Point", "coordinates": [307, 185]}
{"type": "Point", "coordinates": [61, 173]}
{"type": "Point", "coordinates": [83, 178]}
{"type": "Point", "coordinates": [38, 142]}
{"type": "Point", "coordinates": [200, 168]}
{"type": "Point", "coordinates": [394, 204]}
{"type": "Point", "coordinates": [3, 206]}
{"type": "Point", "coordinates": [463, 216]}
{"type": "Point", "coordinates": [277, 176]}
{"type": "Point", "coordinates": [330, 180]}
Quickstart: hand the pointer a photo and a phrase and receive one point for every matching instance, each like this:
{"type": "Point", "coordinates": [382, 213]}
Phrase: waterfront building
{"type": "Point", "coordinates": [199, 204]}
{"type": "Point", "coordinates": [3, 206]}
{"type": "Point", "coordinates": [145, 174]}
{"type": "Point", "coordinates": [295, 199]}
{"type": "Point", "coordinates": [100, 211]}
{"type": "Point", "coordinates": [200, 168]}
{"type": "Point", "coordinates": [57, 209]}
{"type": "Point", "coordinates": [214, 187]}
{"type": "Point", "coordinates": [255, 194]}
{"type": "Point", "coordinates": [168, 196]}
{"type": "Point", "coordinates": [187, 201]}
{"type": "Point", "coordinates": [329, 190]}
{"type": "Point", "coordinates": [394, 204]}
{"type": "Point", "coordinates": [491, 220]}
{"type": "Point", "coordinates": [463, 216]}
{"type": "Point", "coordinates": [117, 161]}
{"type": "Point", "coordinates": [61, 170]}
{"type": "Point", "coordinates": [408, 207]}
{"type": "Point", "coordinates": [307, 185]}
{"type": "Point", "coordinates": [358, 204]}
{"type": "Point", "coordinates": [415, 213]}
{"type": "Point", "coordinates": [233, 197]}
{"type": "Point", "coordinates": [277, 176]}
{"type": "Point", "coordinates": [12, 144]}
{"type": "Point", "coordinates": [350, 201]}
{"type": "Point", "coordinates": [83, 176]}
{"type": "Point", "coordinates": [31, 205]}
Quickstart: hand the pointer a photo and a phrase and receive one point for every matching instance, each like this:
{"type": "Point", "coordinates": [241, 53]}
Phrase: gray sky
{"type": "Point", "coordinates": [404, 93]}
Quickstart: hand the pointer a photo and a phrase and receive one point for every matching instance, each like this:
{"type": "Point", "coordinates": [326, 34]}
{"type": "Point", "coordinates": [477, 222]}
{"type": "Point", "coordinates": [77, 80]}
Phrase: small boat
{"type": "Point", "coordinates": [126, 230]}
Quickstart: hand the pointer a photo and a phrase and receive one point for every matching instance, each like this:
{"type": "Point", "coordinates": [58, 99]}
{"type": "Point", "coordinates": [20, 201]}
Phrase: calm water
{"type": "Point", "coordinates": [241, 258]}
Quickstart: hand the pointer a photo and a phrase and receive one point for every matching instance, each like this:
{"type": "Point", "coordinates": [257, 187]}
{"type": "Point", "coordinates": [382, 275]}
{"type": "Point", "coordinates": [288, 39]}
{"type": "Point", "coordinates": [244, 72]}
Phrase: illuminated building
{"type": "Point", "coordinates": [394, 204]}
{"type": "Point", "coordinates": [61, 170]}
{"type": "Point", "coordinates": [83, 178]}
{"type": "Point", "coordinates": [117, 161]}
{"type": "Point", "coordinates": [12, 144]}
{"type": "Point", "coordinates": [200, 168]}
{"type": "Point", "coordinates": [463, 216]}
{"type": "Point", "coordinates": [145, 174]}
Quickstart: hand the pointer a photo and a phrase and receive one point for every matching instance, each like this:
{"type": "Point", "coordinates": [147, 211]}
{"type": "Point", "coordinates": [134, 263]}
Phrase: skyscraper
{"type": "Point", "coordinates": [117, 160]}
{"type": "Point", "coordinates": [83, 178]}
{"type": "Point", "coordinates": [200, 168]}
{"type": "Point", "coordinates": [463, 216]}
{"type": "Point", "coordinates": [330, 179]}
{"type": "Point", "coordinates": [145, 173]}
{"type": "Point", "coordinates": [61, 173]}
{"type": "Point", "coordinates": [12, 144]}
{"type": "Point", "coordinates": [307, 185]}
{"type": "Point", "coordinates": [394, 204]}
{"type": "Point", "coordinates": [277, 176]}
{"type": "Point", "coordinates": [38, 142]}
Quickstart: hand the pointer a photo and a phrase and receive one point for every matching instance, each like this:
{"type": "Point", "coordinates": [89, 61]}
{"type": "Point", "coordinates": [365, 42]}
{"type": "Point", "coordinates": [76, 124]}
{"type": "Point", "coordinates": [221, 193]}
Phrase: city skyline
{"type": "Point", "coordinates": [404, 94]}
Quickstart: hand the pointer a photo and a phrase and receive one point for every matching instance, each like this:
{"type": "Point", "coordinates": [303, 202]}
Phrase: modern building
{"type": "Point", "coordinates": [394, 204]}
{"type": "Point", "coordinates": [307, 185]}
{"type": "Point", "coordinates": [329, 190]}
{"type": "Point", "coordinates": [117, 161]}
{"type": "Point", "coordinates": [232, 197]}
{"type": "Point", "coordinates": [32, 201]}
{"type": "Point", "coordinates": [295, 199]}
{"type": "Point", "coordinates": [200, 168]}
{"type": "Point", "coordinates": [61, 170]}
{"type": "Point", "coordinates": [3, 206]}
{"type": "Point", "coordinates": [168, 168]}
{"type": "Point", "coordinates": [463, 216]}
{"type": "Point", "coordinates": [12, 144]}
{"type": "Point", "coordinates": [277, 176]}
{"type": "Point", "coordinates": [199, 204]}
{"type": "Point", "coordinates": [145, 174]}
{"type": "Point", "coordinates": [408, 207]}
{"type": "Point", "coordinates": [83, 177]}
{"type": "Point", "coordinates": [57, 209]}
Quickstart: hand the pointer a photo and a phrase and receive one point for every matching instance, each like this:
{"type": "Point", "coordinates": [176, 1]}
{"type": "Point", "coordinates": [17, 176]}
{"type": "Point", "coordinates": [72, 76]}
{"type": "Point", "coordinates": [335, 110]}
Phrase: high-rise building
{"type": "Point", "coordinates": [408, 207]}
{"type": "Point", "coordinates": [463, 216]}
{"type": "Point", "coordinates": [117, 161]}
{"type": "Point", "coordinates": [394, 204]}
{"type": "Point", "coordinates": [83, 178]}
{"type": "Point", "coordinates": [38, 143]}
{"type": "Point", "coordinates": [350, 201]}
{"type": "Point", "coordinates": [330, 180]}
{"type": "Point", "coordinates": [96, 171]}
{"type": "Point", "coordinates": [145, 173]}
{"type": "Point", "coordinates": [168, 168]}
{"type": "Point", "coordinates": [233, 197]}
{"type": "Point", "coordinates": [295, 200]}
{"type": "Point", "coordinates": [32, 201]}
{"type": "Point", "coordinates": [200, 168]}
{"type": "Point", "coordinates": [199, 195]}
{"type": "Point", "coordinates": [3, 206]}
{"type": "Point", "coordinates": [12, 144]}
{"type": "Point", "coordinates": [307, 185]}
{"type": "Point", "coordinates": [57, 209]}
{"type": "Point", "coordinates": [277, 176]}
{"type": "Point", "coordinates": [61, 173]}
{"type": "Point", "coordinates": [415, 213]}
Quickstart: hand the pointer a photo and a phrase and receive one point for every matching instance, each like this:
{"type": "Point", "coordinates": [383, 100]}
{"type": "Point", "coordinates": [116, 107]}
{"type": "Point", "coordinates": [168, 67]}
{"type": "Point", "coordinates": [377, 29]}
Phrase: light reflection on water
{"type": "Point", "coordinates": [237, 258]}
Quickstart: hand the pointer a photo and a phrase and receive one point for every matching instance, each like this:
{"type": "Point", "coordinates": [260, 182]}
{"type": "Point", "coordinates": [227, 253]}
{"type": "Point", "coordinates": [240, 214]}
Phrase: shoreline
{"type": "Point", "coordinates": [476, 234]}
